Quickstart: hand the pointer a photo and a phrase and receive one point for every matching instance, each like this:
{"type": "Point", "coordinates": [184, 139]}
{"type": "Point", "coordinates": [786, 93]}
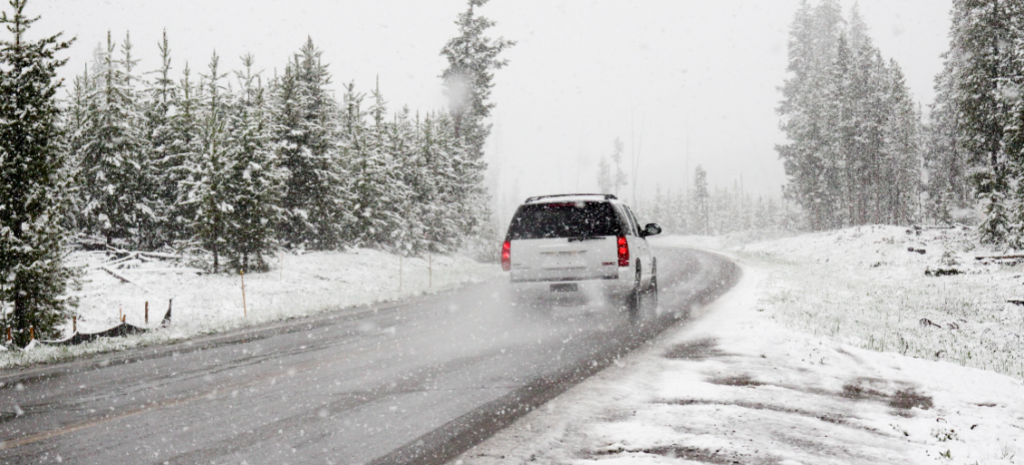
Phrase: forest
{"type": "Point", "coordinates": [235, 164]}
{"type": "Point", "coordinates": [223, 166]}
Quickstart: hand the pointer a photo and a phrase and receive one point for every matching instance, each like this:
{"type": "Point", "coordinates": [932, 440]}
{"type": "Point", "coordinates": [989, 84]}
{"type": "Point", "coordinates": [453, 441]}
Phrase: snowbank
{"type": "Point", "coordinates": [917, 293]}
{"type": "Point", "coordinates": [298, 285]}
{"type": "Point", "coordinates": [737, 385]}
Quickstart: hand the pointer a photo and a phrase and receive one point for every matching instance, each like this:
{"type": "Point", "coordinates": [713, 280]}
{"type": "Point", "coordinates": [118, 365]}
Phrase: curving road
{"type": "Point", "coordinates": [418, 381]}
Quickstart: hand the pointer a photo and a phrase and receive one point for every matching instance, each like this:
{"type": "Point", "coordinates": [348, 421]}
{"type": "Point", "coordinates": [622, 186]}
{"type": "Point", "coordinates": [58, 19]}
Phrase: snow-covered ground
{"type": "Point", "coordinates": [297, 285]}
{"type": "Point", "coordinates": [780, 369]}
{"type": "Point", "coordinates": [864, 287]}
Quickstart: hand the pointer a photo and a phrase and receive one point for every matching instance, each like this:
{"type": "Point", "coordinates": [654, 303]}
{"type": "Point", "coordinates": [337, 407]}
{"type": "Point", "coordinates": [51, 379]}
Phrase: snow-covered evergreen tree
{"type": "Point", "coordinates": [188, 163]}
{"type": "Point", "coordinates": [211, 171]}
{"type": "Point", "coordinates": [619, 178]}
{"type": "Point", "coordinates": [75, 120]}
{"type": "Point", "coordinates": [115, 157]}
{"type": "Point", "coordinates": [901, 149]}
{"type": "Point", "coordinates": [813, 44]}
{"type": "Point", "coordinates": [468, 80]}
{"type": "Point", "coordinates": [33, 275]}
{"type": "Point", "coordinates": [701, 206]}
{"type": "Point", "coordinates": [306, 118]}
{"type": "Point", "coordinates": [164, 159]}
{"type": "Point", "coordinates": [400, 142]}
{"type": "Point", "coordinates": [182, 146]}
{"type": "Point", "coordinates": [604, 176]}
{"type": "Point", "coordinates": [979, 36]}
{"type": "Point", "coordinates": [375, 182]}
{"type": "Point", "coordinates": [1011, 94]}
{"type": "Point", "coordinates": [945, 161]}
{"type": "Point", "coordinates": [448, 199]}
{"type": "Point", "coordinates": [256, 180]}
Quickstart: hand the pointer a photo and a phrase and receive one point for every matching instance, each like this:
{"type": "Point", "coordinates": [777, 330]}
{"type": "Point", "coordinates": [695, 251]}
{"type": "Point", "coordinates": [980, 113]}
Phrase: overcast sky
{"type": "Point", "coordinates": [670, 78]}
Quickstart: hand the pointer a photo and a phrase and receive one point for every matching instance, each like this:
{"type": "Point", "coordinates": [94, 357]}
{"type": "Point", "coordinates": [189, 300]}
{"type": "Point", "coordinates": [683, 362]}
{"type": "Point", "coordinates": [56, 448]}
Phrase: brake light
{"type": "Point", "coordinates": [623, 251]}
{"type": "Point", "coordinates": [506, 256]}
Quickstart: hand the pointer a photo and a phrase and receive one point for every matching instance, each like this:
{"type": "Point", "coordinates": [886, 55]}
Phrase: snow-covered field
{"type": "Point", "coordinates": [863, 287]}
{"type": "Point", "coordinates": [803, 363]}
{"type": "Point", "coordinates": [297, 285]}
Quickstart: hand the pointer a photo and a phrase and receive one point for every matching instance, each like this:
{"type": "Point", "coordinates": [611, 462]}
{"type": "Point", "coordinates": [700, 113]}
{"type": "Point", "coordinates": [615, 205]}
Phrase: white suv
{"type": "Point", "coordinates": [580, 244]}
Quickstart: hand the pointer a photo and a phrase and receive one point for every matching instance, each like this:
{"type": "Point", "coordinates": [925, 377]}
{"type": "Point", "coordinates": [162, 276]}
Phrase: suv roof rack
{"type": "Point", "coordinates": [539, 197]}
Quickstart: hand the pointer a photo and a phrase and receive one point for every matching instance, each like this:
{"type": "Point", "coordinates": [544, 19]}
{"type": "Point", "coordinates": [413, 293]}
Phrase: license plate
{"type": "Point", "coordinates": [564, 288]}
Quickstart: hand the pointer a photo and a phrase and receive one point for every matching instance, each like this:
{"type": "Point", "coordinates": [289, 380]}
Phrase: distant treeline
{"type": "Point", "coordinates": [704, 211]}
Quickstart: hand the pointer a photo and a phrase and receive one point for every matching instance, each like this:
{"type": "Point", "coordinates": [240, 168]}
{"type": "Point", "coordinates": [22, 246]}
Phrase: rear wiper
{"type": "Point", "coordinates": [585, 238]}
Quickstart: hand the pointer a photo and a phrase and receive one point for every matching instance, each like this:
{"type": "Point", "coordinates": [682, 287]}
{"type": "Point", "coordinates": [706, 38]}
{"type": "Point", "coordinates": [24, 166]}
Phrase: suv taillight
{"type": "Point", "coordinates": [623, 251]}
{"type": "Point", "coordinates": [506, 256]}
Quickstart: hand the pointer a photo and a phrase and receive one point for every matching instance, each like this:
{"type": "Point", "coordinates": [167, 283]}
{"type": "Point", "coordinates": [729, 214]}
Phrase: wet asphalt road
{"type": "Point", "coordinates": [418, 381]}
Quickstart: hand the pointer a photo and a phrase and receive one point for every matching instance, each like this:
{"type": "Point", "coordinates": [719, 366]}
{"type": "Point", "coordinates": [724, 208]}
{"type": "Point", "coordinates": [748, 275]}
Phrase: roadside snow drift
{"type": "Point", "coordinates": [297, 285]}
{"type": "Point", "coordinates": [739, 385]}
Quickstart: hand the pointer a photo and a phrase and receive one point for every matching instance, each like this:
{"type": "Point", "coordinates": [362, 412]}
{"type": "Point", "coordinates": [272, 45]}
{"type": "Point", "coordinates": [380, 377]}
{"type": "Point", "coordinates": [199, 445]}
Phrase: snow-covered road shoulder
{"type": "Point", "coordinates": [297, 285]}
{"type": "Point", "coordinates": [734, 386]}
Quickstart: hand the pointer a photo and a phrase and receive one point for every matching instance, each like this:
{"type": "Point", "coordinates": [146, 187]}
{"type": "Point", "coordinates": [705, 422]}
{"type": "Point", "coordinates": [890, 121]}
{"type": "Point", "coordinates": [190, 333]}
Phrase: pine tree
{"type": "Point", "coordinates": [447, 202]}
{"type": "Point", "coordinates": [901, 151]}
{"type": "Point", "coordinates": [468, 80]}
{"type": "Point", "coordinates": [423, 181]}
{"type": "Point", "coordinates": [183, 145]}
{"type": "Point", "coordinates": [144, 230]}
{"type": "Point", "coordinates": [619, 179]}
{"type": "Point", "coordinates": [1011, 96]}
{"type": "Point", "coordinates": [400, 142]}
{"type": "Point", "coordinates": [115, 164]}
{"type": "Point", "coordinates": [840, 158]}
{"type": "Point", "coordinates": [75, 122]}
{"type": "Point", "coordinates": [164, 158]}
{"type": "Point", "coordinates": [813, 44]}
{"type": "Point", "coordinates": [946, 164]}
{"type": "Point", "coordinates": [700, 205]}
{"type": "Point", "coordinates": [604, 176]}
{"type": "Point", "coordinates": [33, 275]}
{"type": "Point", "coordinates": [374, 182]}
{"type": "Point", "coordinates": [978, 37]}
{"type": "Point", "coordinates": [211, 171]}
{"type": "Point", "coordinates": [315, 200]}
{"type": "Point", "coordinates": [256, 180]}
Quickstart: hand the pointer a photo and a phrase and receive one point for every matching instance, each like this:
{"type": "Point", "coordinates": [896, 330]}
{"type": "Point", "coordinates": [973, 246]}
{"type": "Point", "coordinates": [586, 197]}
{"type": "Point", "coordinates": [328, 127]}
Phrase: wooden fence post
{"type": "Point", "coordinates": [245, 312]}
{"type": "Point", "coordinates": [74, 324]}
{"type": "Point", "coordinates": [147, 312]}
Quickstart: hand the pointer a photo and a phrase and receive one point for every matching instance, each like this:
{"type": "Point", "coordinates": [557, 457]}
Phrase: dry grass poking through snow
{"type": "Point", "coordinates": [861, 286]}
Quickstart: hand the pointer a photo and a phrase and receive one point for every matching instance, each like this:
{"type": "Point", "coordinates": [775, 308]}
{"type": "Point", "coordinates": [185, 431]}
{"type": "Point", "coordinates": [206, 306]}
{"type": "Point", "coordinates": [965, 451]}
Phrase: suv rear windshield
{"type": "Point", "coordinates": [576, 219]}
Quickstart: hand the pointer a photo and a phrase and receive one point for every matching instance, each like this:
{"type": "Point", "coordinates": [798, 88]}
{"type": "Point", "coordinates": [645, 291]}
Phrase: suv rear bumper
{"type": "Point", "coordinates": [560, 289]}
